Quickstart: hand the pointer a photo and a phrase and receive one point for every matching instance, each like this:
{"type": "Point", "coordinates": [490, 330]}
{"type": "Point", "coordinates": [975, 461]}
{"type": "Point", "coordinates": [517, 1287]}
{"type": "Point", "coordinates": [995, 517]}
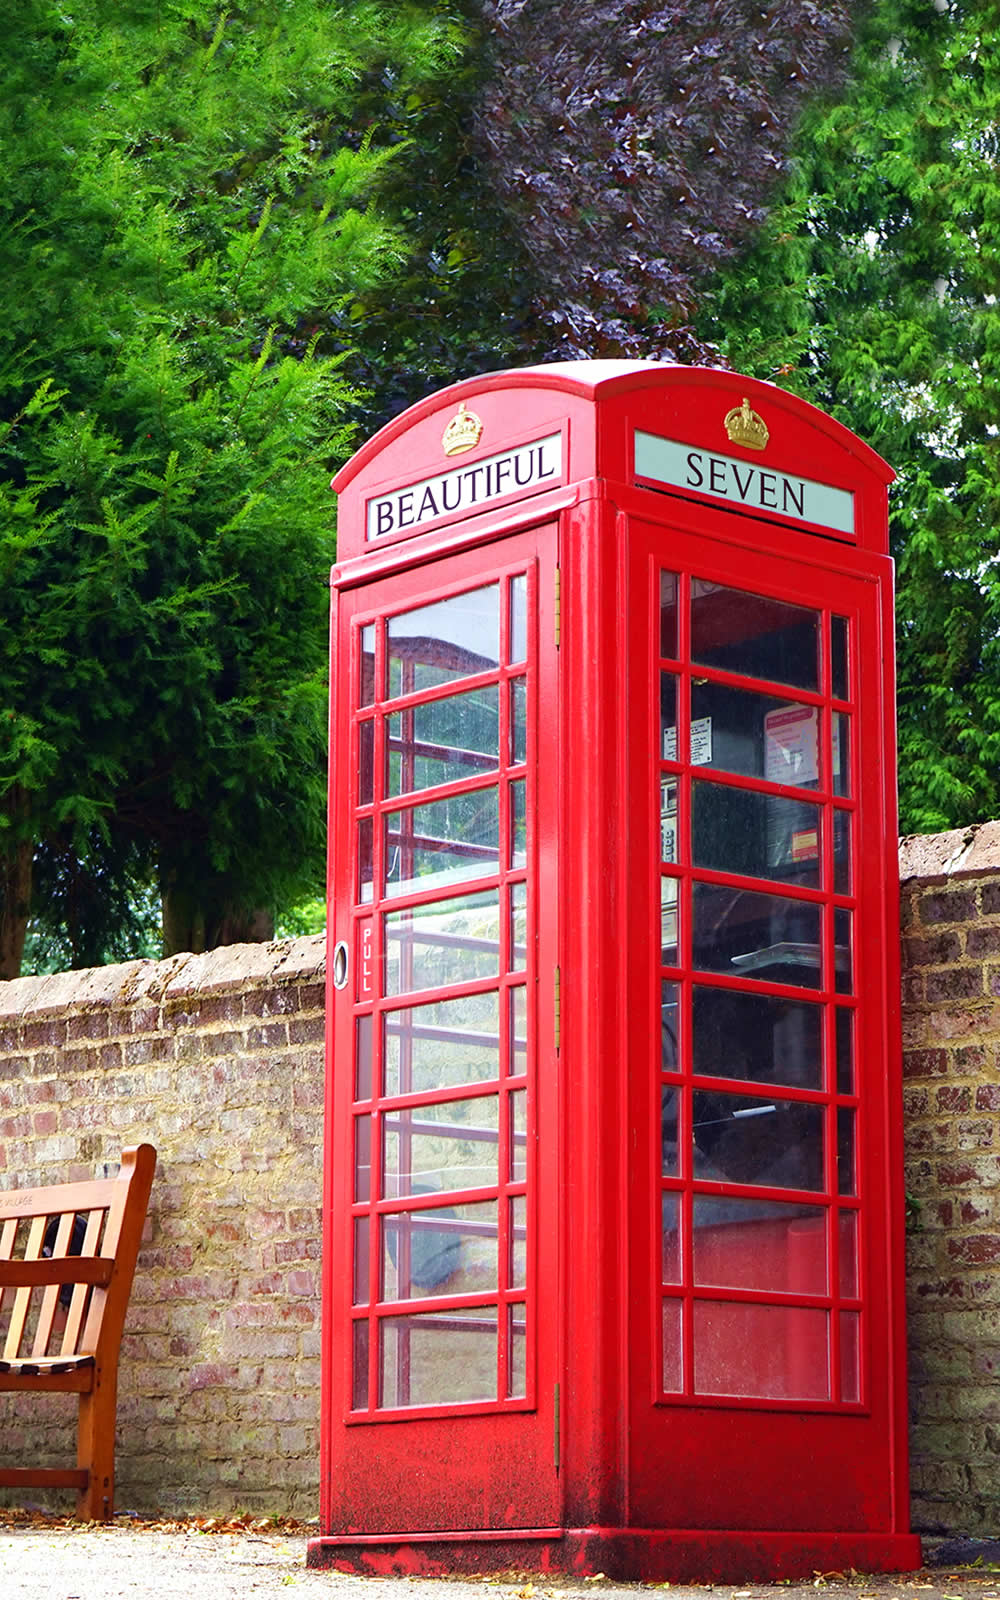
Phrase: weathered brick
{"type": "Point", "coordinates": [949, 905]}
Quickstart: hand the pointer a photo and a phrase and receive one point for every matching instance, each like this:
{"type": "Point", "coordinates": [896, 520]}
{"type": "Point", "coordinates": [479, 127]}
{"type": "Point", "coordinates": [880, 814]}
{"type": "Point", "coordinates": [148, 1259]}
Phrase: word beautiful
{"type": "Point", "coordinates": [743, 484]}
{"type": "Point", "coordinates": [529, 467]}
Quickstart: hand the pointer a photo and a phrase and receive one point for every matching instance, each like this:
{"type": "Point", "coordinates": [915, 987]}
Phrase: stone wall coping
{"type": "Point", "coordinates": [961, 853]}
{"type": "Point", "coordinates": [282, 961]}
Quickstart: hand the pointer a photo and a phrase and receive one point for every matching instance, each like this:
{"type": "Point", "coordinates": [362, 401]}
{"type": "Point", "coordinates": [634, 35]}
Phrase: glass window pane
{"type": "Point", "coordinates": [517, 1275]}
{"type": "Point", "coordinates": [518, 1063]}
{"type": "Point", "coordinates": [757, 735]}
{"type": "Point", "coordinates": [754, 935]}
{"type": "Point", "coordinates": [668, 716]}
{"type": "Point", "coordinates": [517, 1327]}
{"type": "Point", "coordinates": [846, 1172]}
{"type": "Point", "coordinates": [841, 753]}
{"type": "Point", "coordinates": [443, 1250]}
{"type": "Point", "coordinates": [362, 1158]}
{"type": "Point", "coordinates": [366, 672]}
{"type": "Point", "coordinates": [668, 921]}
{"type": "Point", "coordinates": [518, 926]}
{"type": "Point", "coordinates": [359, 1385]}
{"type": "Point", "coordinates": [519, 618]}
{"type": "Point", "coordinates": [438, 1357]}
{"type": "Point", "coordinates": [670, 1212]}
{"type": "Point", "coordinates": [432, 845]}
{"type": "Point", "coordinates": [518, 721]}
{"type": "Point", "coordinates": [436, 1148]}
{"type": "Point", "coordinates": [670, 1112]}
{"type": "Point", "coordinates": [438, 643]}
{"type": "Point", "coordinates": [753, 834]}
{"type": "Point", "coordinates": [754, 634]}
{"type": "Point", "coordinates": [773, 1144]}
{"type": "Point", "coordinates": [843, 954]}
{"type": "Point", "coordinates": [365, 861]}
{"type": "Point", "coordinates": [443, 741]}
{"type": "Point", "coordinates": [668, 819]}
{"type": "Point", "coordinates": [366, 763]}
{"type": "Point", "coordinates": [849, 1254]}
{"type": "Point", "coordinates": [673, 1348]}
{"type": "Point", "coordinates": [761, 1352]}
{"type": "Point", "coordinates": [363, 1036]}
{"type": "Point", "coordinates": [841, 852]}
{"type": "Point", "coordinates": [845, 1051]}
{"type": "Point", "coordinates": [753, 1244]}
{"type": "Point", "coordinates": [668, 615]}
{"type": "Point", "coordinates": [442, 1045]}
{"type": "Point", "coordinates": [443, 942]}
{"type": "Point", "coordinates": [850, 1356]}
{"type": "Point", "coordinates": [518, 825]}
{"type": "Point", "coordinates": [518, 1103]}
{"type": "Point", "coordinates": [362, 1232]}
{"type": "Point", "coordinates": [759, 1038]}
{"type": "Point", "coordinates": [670, 1060]}
{"type": "Point", "coordinates": [839, 678]}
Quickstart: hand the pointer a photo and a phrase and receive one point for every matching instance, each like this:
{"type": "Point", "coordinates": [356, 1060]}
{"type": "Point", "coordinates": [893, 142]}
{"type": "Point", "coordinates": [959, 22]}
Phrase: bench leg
{"type": "Point", "coordinates": [95, 1450]}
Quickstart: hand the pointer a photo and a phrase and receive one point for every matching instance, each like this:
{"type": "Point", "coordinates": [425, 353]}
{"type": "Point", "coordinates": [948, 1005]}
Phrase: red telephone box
{"type": "Point", "coordinates": [613, 1199]}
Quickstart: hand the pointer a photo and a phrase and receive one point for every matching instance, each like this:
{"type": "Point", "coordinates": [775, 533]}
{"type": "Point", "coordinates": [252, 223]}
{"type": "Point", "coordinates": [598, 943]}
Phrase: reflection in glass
{"type": "Point", "coordinates": [518, 926]}
{"type": "Point", "coordinates": [668, 819]}
{"type": "Point", "coordinates": [359, 1364]}
{"type": "Point", "coordinates": [438, 643]}
{"type": "Point", "coordinates": [518, 1266]}
{"type": "Point", "coordinates": [441, 1250]}
{"type": "Point", "coordinates": [517, 1383]}
{"type": "Point", "coordinates": [518, 1064]}
{"type": "Point", "coordinates": [362, 1158]}
{"type": "Point", "coordinates": [518, 721]}
{"type": "Point", "coordinates": [841, 753]}
{"type": "Point", "coordinates": [673, 1348]}
{"type": "Point", "coordinates": [363, 1058]}
{"type": "Point", "coordinates": [518, 825]}
{"type": "Point", "coordinates": [846, 1171]}
{"type": "Point", "coordinates": [845, 1051]}
{"type": "Point", "coordinates": [443, 741]}
{"type": "Point", "coordinates": [669, 1027]}
{"type": "Point", "coordinates": [671, 1263]}
{"type": "Point", "coordinates": [365, 861]}
{"type": "Point", "coordinates": [758, 735]}
{"type": "Point", "coordinates": [753, 935]}
{"type": "Point", "coordinates": [668, 716]}
{"type": "Point", "coordinates": [443, 942]}
{"type": "Point", "coordinates": [438, 1357]}
{"type": "Point", "coordinates": [518, 1103]}
{"type": "Point", "coordinates": [761, 1352]}
{"type": "Point", "coordinates": [760, 1038]}
{"type": "Point", "coordinates": [668, 921]}
{"type": "Point", "coordinates": [442, 842]}
{"type": "Point", "coordinates": [670, 1113]}
{"type": "Point", "coordinates": [843, 951]}
{"type": "Point", "coordinates": [668, 615]}
{"type": "Point", "coordinates": [754, 634]}
{"type": "Point", "coordinates": [838, 658]}
{"type": "Point", "coordinates": [366, 673]}
{"type": "Point", "coordinates": [774, 1144]}
{"type": "Point", "coordinates": [763, 1245]}
{"type": "Point", "coordinates": [519, 618]}
{"type": "Point", "coordinates": [442, 1045]}
{"type": "Point", "coordinates": [850, 1356]}
{"type": "Point", "coordinates": [366, 763]}
{"type": "Point", "coordinates": [755, 835]}
{"type": "Point", "coordinates": [841, 852]}
{"type": "Point", "coordinates": [436, 1148]}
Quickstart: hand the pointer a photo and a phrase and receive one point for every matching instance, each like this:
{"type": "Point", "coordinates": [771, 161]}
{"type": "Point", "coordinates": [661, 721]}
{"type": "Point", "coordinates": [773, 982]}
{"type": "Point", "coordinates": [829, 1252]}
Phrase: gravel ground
{"type": "Point", "coordinates": [59, 1560]}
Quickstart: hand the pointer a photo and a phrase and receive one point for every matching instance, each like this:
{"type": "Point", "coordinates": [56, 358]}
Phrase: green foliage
{"type": "Point", "coordinates": [185, 220]}
{"type": "Point", "coordinates": [872, 291]}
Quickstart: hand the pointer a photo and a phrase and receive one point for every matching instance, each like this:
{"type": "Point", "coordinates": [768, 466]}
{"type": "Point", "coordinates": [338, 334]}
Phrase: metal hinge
{"type": "Point", "coordinates": [557, 1008]}
{"type": "Point", "coordinates": [558, 607]}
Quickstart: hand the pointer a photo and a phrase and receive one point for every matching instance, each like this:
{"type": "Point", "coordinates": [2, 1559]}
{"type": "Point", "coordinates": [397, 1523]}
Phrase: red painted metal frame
{"type": "Point", "coordinates": [635, 1481]}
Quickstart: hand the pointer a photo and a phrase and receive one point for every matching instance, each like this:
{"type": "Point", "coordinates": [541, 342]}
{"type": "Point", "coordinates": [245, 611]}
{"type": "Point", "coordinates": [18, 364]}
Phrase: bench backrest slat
{"type": "Point", "coordinates": [22, 1297]}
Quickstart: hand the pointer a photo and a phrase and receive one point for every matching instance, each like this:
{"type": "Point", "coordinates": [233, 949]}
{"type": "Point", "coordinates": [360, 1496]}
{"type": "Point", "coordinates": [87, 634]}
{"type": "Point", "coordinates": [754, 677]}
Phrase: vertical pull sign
{"type": "Point", "coordinates": [340, 965]}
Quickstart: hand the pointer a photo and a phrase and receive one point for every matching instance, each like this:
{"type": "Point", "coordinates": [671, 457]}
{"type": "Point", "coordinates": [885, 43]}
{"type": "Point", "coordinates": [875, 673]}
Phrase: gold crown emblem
{"type": "Point", "coordinates": [463, 432]}
{"type": "Point", "coordinates": [746, 427]}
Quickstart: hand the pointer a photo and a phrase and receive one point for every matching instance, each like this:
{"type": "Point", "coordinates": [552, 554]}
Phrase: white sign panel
{"type": "Point", "coordinates": [743, 485]}
{"type": "Point", "coordinates": [466, 489]}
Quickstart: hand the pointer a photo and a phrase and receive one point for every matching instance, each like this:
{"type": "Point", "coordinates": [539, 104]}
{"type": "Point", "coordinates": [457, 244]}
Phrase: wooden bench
{"type": "Point", "coordinates": [67, 1259]}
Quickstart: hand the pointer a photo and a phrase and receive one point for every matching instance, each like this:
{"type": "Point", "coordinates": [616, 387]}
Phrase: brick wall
{"type": "Point", "coordinates": [218, 1060]}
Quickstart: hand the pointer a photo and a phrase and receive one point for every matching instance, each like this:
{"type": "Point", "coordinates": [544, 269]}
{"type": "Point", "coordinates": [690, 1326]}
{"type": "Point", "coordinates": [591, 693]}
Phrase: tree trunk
{"type": "Point", "coordinates": [15, 903]}
{"type": "Point", "coordinates": [198, 921]}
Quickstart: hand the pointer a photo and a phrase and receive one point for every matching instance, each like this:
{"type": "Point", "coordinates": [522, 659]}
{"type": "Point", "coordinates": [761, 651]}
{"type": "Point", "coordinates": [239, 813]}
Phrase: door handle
{"type": "Point", "coordinates": [340, 964]}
